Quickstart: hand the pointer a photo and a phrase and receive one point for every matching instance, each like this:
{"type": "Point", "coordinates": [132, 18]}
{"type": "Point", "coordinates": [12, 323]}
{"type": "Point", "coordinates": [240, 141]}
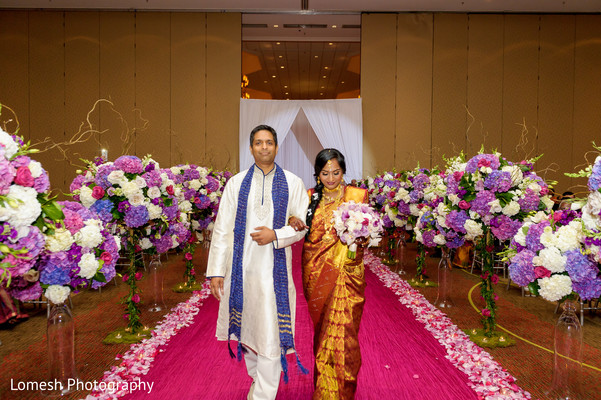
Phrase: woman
{"type": "Point", "coordinates": [334, 285]}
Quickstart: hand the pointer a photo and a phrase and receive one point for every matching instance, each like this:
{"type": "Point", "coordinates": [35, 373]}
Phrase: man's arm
{"type": "Point", "coordinates": [298, 202]}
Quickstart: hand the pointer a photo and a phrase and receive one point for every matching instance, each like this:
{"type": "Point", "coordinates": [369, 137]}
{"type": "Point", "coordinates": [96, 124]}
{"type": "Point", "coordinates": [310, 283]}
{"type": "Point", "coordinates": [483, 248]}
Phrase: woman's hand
{"type": "Point", "coordinates": [297, 224]}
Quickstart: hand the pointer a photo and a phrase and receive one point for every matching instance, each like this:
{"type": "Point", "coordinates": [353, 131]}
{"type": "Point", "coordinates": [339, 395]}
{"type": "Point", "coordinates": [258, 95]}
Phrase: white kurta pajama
{"type": "Point", "coordinates": [260, 331]}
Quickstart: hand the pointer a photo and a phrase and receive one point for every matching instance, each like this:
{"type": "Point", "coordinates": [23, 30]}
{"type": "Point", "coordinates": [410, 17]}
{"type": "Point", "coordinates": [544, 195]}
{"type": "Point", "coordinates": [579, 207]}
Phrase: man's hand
{"type": "Point", "coordinates": [263, 235]}
{"type": "Point", "coordinates": [297, 224]}
{"type": "Point", "coordinates": [217, 287]}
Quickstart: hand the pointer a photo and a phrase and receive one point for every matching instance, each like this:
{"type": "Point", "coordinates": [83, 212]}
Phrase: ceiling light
{"type": "Point", "coordinates": [279, 43]}
{"type": "Point", "coordinates": [324, 76]}
{"type": "Point", "coordinates": [280, 56]}
{"type": "Point", "coordinates": [282, 67]}
{"type": "Point", "coordinates": [286, 92]}
{"type": "Point", "coordinates": [264, 81]}
{"type": "Point", "coordinates": [328, 43]}
{"type": "Point", "coordinates": [342, 82]}
{"type": "Point", "coordinates": [323, 87]}
{"type": "Point", "coordinates": [321, 94]}
{"type": "Point", "coordinates": [334, 26]}
{"type": "Point", "coordinates": [277, 26]}
{"type": "Point", "coordinates": [316, 56]}
{"type": "Point", "coordinates": [286, 86]}
{"type": "Point", "coordinates": [273, 76]}
{"type": "Point", "coordinates": [326, 67]}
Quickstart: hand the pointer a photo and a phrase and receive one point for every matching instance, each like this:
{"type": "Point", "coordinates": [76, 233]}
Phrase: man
{"type": "Point", "coordinates": [250, 263]}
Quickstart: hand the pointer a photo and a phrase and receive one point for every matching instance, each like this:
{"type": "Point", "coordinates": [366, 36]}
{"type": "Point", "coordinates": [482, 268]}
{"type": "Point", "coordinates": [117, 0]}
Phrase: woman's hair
{"type": "Point", "coordinates": [320, 161]}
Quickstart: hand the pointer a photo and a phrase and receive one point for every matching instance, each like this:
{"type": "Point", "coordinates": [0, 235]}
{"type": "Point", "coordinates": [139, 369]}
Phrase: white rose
{"type": "Point", "coordinates": [495, 206]}
{"type": "Point", "coordinates": [145, 243]}
{"type": "Point", "coordinates": [57, 294]}
{"type": "Point", "coordinates": [551, 258]}
{"type": "Point", "coordinates": [176, 170]}
{"type": "Point", "coordinates": [35, 168]}
{"type": "Point", "coordinates": [61, 240]}
{"type": "Point", "coordinates": [213, 197]}
{"type": "Point", "coordinates": [534, 186]}
{"type": "Point", "coordinates": [130, 188]}
{"type": "Point", "coordinates": [153, 192]}
{"type": "Point", "coordinates": [414, 209]}
{"type": "Point", "coordinates": [555, 287]}
{"type": "Point", "coordinates": [154, 211]}
{"type": "Point", "coordinates": [454, 199]}
{"type": "Point", "coordinates": [185, 206]}
{"type": "Point", "coordinates": [194, 184]}
{"type": "Point", "coordinates": [140, 182]}
{"type": "Point", "coordinates": [548, 238]}
{"type": "Point", "coordinates": [136, 199]}
{"type": "Point", "coordinates": [116, 177]}
{"type": "Point", "coordinates": [195, 225]}
{"type": "Point", "coordinates": [441, 221]}
{"type": "Point", "coordinates": [548, 203]}
{"type": "Point", "coordinates": [88, 266]}
{"type": "Point", "coordinates": [538, 217]}
{"type": "Point", "coordinates": [418, 236]}
{"type": "Point", "coordinates": [9, 144]}
{"type": "Point", "coordinates": [511, 209]}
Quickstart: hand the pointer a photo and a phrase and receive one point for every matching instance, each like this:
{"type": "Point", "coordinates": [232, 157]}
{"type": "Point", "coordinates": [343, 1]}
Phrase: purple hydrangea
{"type": "Point", "coordinates": [129, 164]}
{"type": "Point", "coordinates": [7, 174]}
{"type": "Point", "coordinates": [504, 228]}
{"type": "Point", "coordinates": [579, 267]}
{"type": "Point", "coordinates": [163, 244]}
{"type": "Point", "coordinates": [42, 183]}
{"type": "Point", "coordinates": [104, 210]}
{"type": "Point", "coordinates": [521, 269]}
{"type": "Point", "coordinates": [212, 184]}
{"type": "Point", "coordinates": [453, 239]}
{"type": "Point", "coordinates": [191, 174]}
{"type": "Point", "coordinates": [533, 236]}
{"type": "Point", "coordinates": [153, 178]}
{"type": "Point", "coordinates": [498, 181]}
{"type": "Point", "coordinates": [203, 202]}
{"type": "Point", "coordinates": [588, 290]}
{"type": "Point", "coordinates": [456, 220]}
{"type": "Point", "coordinates": [171, 212]}
{"type": "Point", "coordinates": [530, 201]}
{"type": "Point", "coordinates": [55, 269]}
{"type": "Point", "coordinates": [136, 216]}
{"type": "Point", "coordinates": [101, 177]}
{"type": "Point", "coordinates": [428, 238]}
{"type": "Point", "coordinates": [481, 204]}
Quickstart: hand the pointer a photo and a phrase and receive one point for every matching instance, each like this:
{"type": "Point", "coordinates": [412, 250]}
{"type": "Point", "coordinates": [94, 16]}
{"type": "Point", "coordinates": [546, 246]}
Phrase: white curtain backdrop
{"type": "Point", "coordinates": [304, 128]}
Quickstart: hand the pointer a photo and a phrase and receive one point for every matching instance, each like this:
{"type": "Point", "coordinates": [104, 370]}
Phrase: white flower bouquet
{"type": "Point", "coordinates": [357, 223]}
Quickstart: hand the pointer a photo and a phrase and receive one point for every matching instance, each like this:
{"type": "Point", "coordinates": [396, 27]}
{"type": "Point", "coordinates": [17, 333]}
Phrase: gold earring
{"type": "Point", "coordinates": [318, 181]}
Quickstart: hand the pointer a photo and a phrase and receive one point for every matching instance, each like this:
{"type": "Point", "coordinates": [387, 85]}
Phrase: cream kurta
{"type": "Point", "coordinates": [260, 329]}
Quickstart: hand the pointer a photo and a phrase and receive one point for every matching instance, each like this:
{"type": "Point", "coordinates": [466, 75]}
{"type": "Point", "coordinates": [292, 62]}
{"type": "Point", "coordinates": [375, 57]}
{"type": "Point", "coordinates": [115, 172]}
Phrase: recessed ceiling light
{"type": "Point", "coordinates": [342, 82]}
{"type": "Point", "coordinates": [280, 56]}
{"type": "Point", "coordinates": [334, 26]}
{"type": "Point", "coordinates": [323, 87]}
{"type": "Point", "coordinates": [321, 94]}
{"type": "Point", "coordinates": [277, 26]}
{"type": "Point", "coordinates": [286, 86]}
{"type": "Point", "coordinates": [282, 66]}
{"type": "Point", "coordinates": [316, 56]}
{"type": "Point", "coordinates": [286, 92]}
{"type": "Point", "coordinates": [279, 43]}
{"type": "Point", "coordinates": [328, 43]}
{"type": "Point", "coordinates": [325, 67]}
{"type": "Point", "coordinates": [324, 76]}
{"type": "Point", "coordinates": [273, 76]}
{"type": "Point", "coordinates": [264, 81]}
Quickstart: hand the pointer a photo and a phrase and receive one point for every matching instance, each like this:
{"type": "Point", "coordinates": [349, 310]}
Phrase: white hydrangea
{"type": "Point", "coordinates": [214, 197]}
{"type": "Point", "coordinates": [23, 206]}
{"type": "Point", "coordinates": [176, 170]}
{"type": "Point", "coordinates": [89, 236]}
{"type": "Point", "coordinates": [88, 266]}
{"type": "Point", "coordinates": [403, 195]}
{"type": "Point", "coordinates": [548, 203]}
{"type": "Point", "coordinates": [440, 239]}
{"type": "Point", "coordinates": [185, 206]}
{"type": "Point", "coordinates": [442, 221]}
{"type": "Point", "coordinates": [551, 258]}
{"type": "Point", "coordinates": [538, 217]}
{"type": "Point", "coordinates": [57, 294]}
{"type": "Point", "coordinates": [511, 209]}
{"type": "Point", "coordinates": [591, 211]}
{"type": "Point", "coordinates": [548, 238]}
{"type": "Point", "coordinates": [418, 236]}
{"type": "Point", "coordinates": [195, 184]}
{"type": "Point", "coordinates": [195, 225]}
{"type": "Point", "coordinates": [495, 206]}
{"type": "Point", "coordinates": [454, 199]}
{"type": "Point", "coordinates": [35, 168]}
{"type": "Point", "coordinates": [414, 209]}
{"type": "Point", "coordinates": [211, 225]}
{"type": "Point", "coordinates": [555, 287]}
{"type": "Point", "coordinates": [130, 188]}
{"type": "Point", "coordinates": [154, 211]}
{"type": "Point", "coordinates": [61, 240]}
{"type": "Point", "coordinates": [473, 228]}
{"type": "Point", "coordinates": [9, 144]}
{"type": "Point", "coordinates": [85, 196]}
{"type": "Point", "coordinates": [568, 238]}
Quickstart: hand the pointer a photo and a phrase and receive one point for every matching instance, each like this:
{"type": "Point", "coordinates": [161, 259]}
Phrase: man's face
{"type": "Point", "coordinates": [264, 148]}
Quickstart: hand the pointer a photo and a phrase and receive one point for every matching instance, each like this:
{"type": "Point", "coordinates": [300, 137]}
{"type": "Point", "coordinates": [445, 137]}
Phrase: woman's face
{"type": "Point", "coordinates": [331, 174]}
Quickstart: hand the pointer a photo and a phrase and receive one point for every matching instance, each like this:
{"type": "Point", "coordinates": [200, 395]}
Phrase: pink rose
{"type": "Point", "coordinates": [106, 257]}
{"type": "Point", "coordinates": [494, 279]}
{"type": "Point", "coordinates": [192, 272]}
{"type": "Point", "coordinates": [188, 256]}
{"type": "Point", "coordinates": [486, 312]}
{"type": "Point", "coordinates": [126, 316]}
{"type": "Point", "coordinates": [135, 298]}
{"type": "Point", "coordinates": [24, 177]}
{"type": "Point", "coordinates": [170, 190]}
{"type": "Point", "coordinates": [138, 276]}
{"type": "Point", "coordinates": [125, 278]}
{"type": "Point", "coordinates": [464, 205]}
{"type": "Point", "coordinates": [483, 162]}
{"type": "Point", "coordinates": [97, 192]}
{"type": "Point", "coordinates": [457, 175]}
{"type": "Point", "coordinates": [541, 272]}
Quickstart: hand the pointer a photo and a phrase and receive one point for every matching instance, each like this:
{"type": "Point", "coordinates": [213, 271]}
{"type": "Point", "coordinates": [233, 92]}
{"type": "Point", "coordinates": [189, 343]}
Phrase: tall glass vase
{"type": "Point", "coordinates": [445, 280]}
{"type": "Point", "coordinates": [155, 273]}
{"type": "Point", "coordinates": [401, 252]}
{"type": "Point", "coordinates": [567, 365]}
{"type": "Point", "coordinates": [61, 350]}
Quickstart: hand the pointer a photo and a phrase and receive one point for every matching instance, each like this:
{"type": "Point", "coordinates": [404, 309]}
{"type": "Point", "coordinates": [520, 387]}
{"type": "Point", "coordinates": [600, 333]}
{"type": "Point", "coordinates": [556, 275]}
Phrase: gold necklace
{"type": "Point", "coordinates": [327, 222]}
{"type": "Point", "coordinates": [337, 193]}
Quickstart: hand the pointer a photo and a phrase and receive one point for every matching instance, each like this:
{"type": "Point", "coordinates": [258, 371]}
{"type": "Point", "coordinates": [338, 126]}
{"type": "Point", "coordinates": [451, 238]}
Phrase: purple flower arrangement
{"type": "Point", "coordinates": [355, 221]}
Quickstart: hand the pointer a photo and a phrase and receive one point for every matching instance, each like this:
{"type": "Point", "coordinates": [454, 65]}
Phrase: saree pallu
{"type": "Point", "coordinates": [334, 286]}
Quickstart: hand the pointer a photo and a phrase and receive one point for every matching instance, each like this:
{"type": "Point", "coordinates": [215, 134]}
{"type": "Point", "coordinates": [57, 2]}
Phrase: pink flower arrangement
{"type": "Point", "coordinates": [354, 221]}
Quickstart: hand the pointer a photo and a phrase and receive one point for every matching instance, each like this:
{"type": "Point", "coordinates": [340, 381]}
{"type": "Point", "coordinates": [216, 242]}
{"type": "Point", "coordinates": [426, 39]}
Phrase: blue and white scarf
{"type": "Point", "coordinates": [279, 195]}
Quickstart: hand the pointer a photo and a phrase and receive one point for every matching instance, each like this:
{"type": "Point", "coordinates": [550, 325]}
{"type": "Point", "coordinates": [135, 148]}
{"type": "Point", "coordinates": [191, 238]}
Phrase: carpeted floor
{"type": "Point", "coordinates": [23, 348]}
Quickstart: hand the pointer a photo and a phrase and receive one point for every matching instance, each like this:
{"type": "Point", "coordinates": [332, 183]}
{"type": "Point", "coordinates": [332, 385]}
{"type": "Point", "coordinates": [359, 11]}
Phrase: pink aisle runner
{"type": "Point", "coordinates": [401, 360]}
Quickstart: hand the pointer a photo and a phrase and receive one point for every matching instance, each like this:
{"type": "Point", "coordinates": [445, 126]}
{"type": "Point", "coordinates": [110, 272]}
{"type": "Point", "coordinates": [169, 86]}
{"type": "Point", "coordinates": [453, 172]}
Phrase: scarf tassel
{"type": "Point", "coordinates": [284, 366]}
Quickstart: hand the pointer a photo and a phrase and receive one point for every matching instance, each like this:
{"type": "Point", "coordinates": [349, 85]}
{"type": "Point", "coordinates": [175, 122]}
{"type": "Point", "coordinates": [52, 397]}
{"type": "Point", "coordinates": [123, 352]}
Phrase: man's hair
{"type": "Point", "coordinates": [263, 128]}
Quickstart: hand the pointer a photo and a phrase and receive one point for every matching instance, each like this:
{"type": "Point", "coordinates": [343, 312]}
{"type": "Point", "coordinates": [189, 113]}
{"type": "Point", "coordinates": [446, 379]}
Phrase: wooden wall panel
{"type": "Point", "coordinates": [485, 82]}
{"type": "Point", "coordinates": [224, 66]}
{"type": "Point", "coordinates": [47, 89]}
{"type": "Point", "coordinates": [153, 81]}
{"type": "Point", "coordinates": [556, 96]}
{"type": "Point", "coordinates": [520, 86]}
{"type": "Point", "coordinates": [414, 91]}
{"type": "Point", "coordinates": [117, 82]}
{"type": "Point", "coordinates": [449, 85]}
{"type": "Point", "coordinates": [14, 85]}
{"type": "Point", "coordinates": [188, 87]}
{"type": "Point", "coordinates": [378, 87]}
{"type": "Point", "coordinates": [587, 92]}
{"type": "Point", "coordinates": [82, 88]}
